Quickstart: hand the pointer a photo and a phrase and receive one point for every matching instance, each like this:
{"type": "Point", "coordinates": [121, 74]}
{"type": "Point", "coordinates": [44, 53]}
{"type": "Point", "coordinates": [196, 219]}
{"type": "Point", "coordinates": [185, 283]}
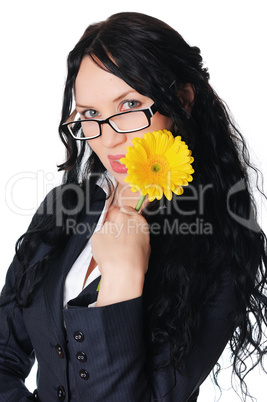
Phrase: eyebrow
{"type": "Point", "coordinates": [123, 95]}
{"type": "Point", "coordinates": [114, 100]}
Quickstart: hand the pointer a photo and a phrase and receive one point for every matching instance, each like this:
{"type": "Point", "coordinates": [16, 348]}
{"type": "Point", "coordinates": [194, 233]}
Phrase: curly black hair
{"type": "Point", "coordinates": [156, 61]}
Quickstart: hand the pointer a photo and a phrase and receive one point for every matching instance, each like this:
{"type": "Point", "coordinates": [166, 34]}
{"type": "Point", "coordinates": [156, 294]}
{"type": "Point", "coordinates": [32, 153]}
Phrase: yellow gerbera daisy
{"type": "Point", "coordinates": [158, 164]}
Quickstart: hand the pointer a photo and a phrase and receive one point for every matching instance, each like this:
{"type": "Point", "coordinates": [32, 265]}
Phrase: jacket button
{"type": "Point", "coordinates": [60, 351]}
{"type": "Point", "coordinates": [78, 336]}
{"type": "Point", "coordinates": [84, 374]}
{"type": "Point", "coordinates": [81, 356]}
{"type": "Point", "coordinates": [61, 394]}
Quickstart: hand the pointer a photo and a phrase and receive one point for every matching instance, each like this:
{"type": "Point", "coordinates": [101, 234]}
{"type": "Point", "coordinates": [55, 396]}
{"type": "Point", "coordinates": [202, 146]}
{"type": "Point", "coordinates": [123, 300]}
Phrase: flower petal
{"type": "Point", "coordinates": [158, 164]}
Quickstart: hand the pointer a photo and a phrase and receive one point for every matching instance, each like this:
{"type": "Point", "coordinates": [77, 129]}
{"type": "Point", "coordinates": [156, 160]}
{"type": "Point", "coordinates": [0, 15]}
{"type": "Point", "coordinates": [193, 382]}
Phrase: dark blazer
{"type": "Point", "coordinates": [98, 354]}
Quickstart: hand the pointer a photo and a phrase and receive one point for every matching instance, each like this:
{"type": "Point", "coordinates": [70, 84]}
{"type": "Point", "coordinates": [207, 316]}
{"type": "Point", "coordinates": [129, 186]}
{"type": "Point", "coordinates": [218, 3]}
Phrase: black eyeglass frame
{"type": "Point", "coordinates": [149, 112]}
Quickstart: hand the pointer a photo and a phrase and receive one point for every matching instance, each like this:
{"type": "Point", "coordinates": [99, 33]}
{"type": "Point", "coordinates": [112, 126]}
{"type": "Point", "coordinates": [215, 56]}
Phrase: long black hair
{"type": "Point", "coordinates": [156, 61]}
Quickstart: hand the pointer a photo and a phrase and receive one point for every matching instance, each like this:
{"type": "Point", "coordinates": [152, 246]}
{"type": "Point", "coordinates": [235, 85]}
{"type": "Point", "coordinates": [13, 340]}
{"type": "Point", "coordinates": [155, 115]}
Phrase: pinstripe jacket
{"type": "Point", "coordinates": [98, 354]}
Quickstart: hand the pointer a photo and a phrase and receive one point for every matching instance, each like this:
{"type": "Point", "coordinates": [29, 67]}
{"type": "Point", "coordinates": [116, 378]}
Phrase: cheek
{"type": "Point", "coordinates": [159, 122]}
{"type": "Point", "coordinates": [96, 147]}
{"type": "Point", "coordinates": [162, 123]}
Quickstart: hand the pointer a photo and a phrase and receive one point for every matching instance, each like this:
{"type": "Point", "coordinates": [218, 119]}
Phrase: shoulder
{"type": "Point", "coordinates": [68, 199]}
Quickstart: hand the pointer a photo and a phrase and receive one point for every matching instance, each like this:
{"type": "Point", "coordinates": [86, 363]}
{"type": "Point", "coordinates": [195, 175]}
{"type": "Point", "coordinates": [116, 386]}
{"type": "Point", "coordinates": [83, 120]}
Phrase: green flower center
{"type": "Point", "coordinates": [158, 164]}
{"type": "Point", "coordinates": [156, 167]}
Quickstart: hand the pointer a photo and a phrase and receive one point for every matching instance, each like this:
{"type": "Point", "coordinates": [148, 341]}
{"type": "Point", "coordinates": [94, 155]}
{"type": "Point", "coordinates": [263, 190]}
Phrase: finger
{"type": "Point", "coordinates": [112, 214]}
{"type": "Point", "coordinates": [125, 214]}
{"type": "Point", "coordinates": [128, 210]}
{"type": "Point", "coordinates": [116, 214]}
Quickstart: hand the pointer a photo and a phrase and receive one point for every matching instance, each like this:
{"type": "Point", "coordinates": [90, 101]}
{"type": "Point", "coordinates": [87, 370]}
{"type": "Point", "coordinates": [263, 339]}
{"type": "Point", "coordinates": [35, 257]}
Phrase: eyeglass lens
{"type": "Point", "coordinates": [132, 121]}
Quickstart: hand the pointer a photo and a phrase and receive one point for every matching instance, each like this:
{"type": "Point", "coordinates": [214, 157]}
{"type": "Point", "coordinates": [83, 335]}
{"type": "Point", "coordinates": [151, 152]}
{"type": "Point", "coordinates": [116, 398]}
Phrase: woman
{"type": "Point", "coordinates": [178, 280]}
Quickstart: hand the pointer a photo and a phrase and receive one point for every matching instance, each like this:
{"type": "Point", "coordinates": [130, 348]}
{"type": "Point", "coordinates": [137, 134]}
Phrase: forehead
{"type": "Point", "coordinates": [93, 83]}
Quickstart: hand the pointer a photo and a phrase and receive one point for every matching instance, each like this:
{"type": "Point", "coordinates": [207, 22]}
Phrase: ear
{"type": "Point", "coordinates": [187, 96]}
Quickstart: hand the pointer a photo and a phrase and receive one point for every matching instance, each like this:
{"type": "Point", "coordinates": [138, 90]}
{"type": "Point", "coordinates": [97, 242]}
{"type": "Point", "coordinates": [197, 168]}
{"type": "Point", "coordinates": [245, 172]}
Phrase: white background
{"type": "Point", "coordinates": [35, 39]}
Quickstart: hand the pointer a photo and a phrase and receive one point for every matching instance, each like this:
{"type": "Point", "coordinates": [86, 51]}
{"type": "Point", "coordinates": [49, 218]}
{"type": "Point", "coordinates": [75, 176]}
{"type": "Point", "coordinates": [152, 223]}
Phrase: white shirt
{"type": "Point", "coordinates": [76, 275]}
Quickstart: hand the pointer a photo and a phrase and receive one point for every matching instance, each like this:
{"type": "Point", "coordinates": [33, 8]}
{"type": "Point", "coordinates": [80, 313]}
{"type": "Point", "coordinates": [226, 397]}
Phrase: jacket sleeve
{"type": "Point", "coordinates": [16, 351]}
{"type": "Point", "coordinates": [117, 365]}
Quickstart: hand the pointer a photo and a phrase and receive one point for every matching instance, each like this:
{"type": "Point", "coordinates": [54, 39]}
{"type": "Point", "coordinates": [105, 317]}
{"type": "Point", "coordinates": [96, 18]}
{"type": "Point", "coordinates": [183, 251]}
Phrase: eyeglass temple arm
{"type": "Point", "coordinates": [152, 109]}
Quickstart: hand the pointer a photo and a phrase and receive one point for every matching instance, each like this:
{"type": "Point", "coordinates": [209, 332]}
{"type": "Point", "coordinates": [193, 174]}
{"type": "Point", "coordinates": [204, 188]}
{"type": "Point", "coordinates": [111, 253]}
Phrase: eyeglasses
{"type": "Point", "coordinates": [125, 122]}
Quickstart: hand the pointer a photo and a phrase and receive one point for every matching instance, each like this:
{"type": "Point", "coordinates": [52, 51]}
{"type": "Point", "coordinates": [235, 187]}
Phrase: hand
{"type": "Point", "coordinates": [121, 248]}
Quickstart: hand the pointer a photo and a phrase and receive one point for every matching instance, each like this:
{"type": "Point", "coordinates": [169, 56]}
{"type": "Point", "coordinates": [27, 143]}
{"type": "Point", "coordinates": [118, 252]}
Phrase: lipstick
{"type": "Point", "coordinates": [115, 163]}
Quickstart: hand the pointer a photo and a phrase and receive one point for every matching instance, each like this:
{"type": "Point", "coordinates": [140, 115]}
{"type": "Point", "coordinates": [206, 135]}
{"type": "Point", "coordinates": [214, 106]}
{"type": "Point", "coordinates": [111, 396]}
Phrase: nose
{"type": "Point", "coordinates": [110, 138]}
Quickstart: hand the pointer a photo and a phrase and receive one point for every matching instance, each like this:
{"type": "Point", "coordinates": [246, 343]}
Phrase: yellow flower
{"type": "Point", "coordinates": [158, 164]}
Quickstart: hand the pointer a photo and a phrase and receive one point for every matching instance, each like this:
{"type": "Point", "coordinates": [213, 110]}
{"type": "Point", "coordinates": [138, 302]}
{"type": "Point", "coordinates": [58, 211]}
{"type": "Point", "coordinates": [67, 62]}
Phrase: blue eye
{"type": "Point", "coordinates": [130, 104]}
{"type": "Point", "coordinates": [90, 114]}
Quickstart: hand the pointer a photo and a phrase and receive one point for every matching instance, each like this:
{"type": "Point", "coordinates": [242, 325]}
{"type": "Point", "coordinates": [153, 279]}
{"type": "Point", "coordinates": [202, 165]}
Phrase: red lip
{"type": "Point", "coordinates": [115, 165]}
{"type": "Point", "coordinates": [116, 157]}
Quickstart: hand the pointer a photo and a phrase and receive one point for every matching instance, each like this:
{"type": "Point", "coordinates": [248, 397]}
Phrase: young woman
{"type": "Point", "coordinates": [179, 279]}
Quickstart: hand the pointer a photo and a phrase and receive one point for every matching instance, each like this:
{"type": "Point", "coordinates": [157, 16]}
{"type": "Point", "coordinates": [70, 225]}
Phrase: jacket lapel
{"type": "Point", "coordinates": [54, 283]}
